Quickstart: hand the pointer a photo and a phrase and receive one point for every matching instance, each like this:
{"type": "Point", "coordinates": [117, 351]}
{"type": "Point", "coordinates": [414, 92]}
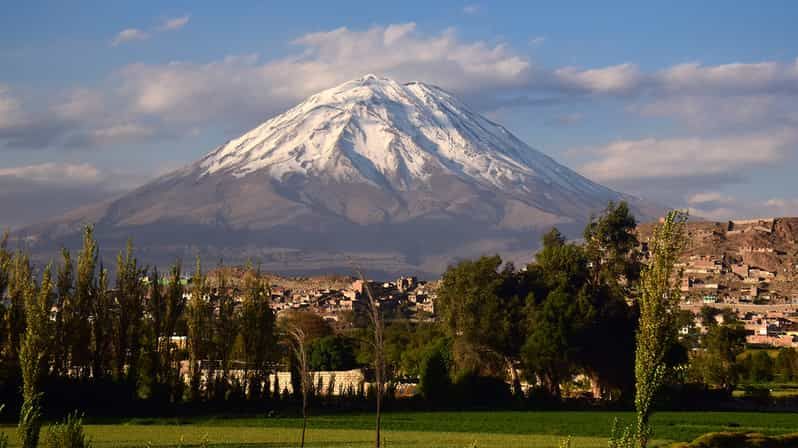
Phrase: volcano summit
{"type": "Point", "coordinates": [392, 177]}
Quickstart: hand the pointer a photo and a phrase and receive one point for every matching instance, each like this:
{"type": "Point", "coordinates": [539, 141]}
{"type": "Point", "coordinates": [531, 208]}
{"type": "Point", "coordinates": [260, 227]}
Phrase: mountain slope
{"type": "Point", "coordinates": [398, 177]}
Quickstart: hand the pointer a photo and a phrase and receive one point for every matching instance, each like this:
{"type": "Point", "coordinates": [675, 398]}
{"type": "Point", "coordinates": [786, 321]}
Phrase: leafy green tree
{"type": "Point", "coordinates": [225, 329]}
{"type": "Point", "coordinates": [601, 280]}
{"type": "Point", "coordinates": [65, 284]}
{"type": "Point", "coordinates": [101, 326]}
{"type": "Point", "coordinates": [611, 248]}
{"type": "Point", "coordinates": [761, 368]}
{"type": "Point", "coordinates": [435, 379]}
{"type": "Point", "coordinates": [257, 329]}
{"type": "Point", "coordinates": [717, 364]}
{"type": "Point", "coordinates": [786, 366]}
{"type": "Point", "coordinates": [556, 321]}
{"type": "Point", "coordinates": [129, 316]}
{"type": "Point", "coordinates": [80, 308]}
{"type": "Point", "coordinates": [407, 344]}
{"type": "Point", "coordinates": [561, 265]}
{"type": "Point", "coordinates": [551, 349]}
{"type": "Point", "coordinates": [485, 322]}
{"type": "Point", "coordinates": [20, 280]}
{"type": "Point", "coordinates": [5, 268]}
{"type": "Point", "coordinates": [152, 380]}
{"type": "Point", "coordinates": [658, 302]}
{"type": "Point", "coordinates": [33, 356]}
{"type": "Point", "coordinates": [199, 314]}
{"type": "Point", "coordinates": [175, 307]}
{"type": "Point", "coordinates": [332, 353]}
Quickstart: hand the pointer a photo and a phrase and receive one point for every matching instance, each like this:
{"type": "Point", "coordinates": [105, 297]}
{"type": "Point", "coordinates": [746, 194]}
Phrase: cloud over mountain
{"type": "Point", "coordinates": [691, 103]}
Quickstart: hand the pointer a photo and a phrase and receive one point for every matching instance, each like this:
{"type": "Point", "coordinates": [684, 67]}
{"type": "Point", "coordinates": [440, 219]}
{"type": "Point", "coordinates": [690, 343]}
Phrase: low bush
{"type": "Point", "coordinates": [68, 434]}
{"type": "Point", "coordinates": [741, 440]}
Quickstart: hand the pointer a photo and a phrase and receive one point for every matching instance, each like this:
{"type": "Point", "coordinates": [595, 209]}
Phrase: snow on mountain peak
{"type": "Point", "coordinates": [391, 135]}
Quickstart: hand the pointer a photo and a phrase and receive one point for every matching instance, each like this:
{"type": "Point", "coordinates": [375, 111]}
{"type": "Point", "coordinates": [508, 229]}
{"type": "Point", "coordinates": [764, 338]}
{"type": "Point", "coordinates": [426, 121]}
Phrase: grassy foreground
{"type": "Point", "coordinates": [424, 429]}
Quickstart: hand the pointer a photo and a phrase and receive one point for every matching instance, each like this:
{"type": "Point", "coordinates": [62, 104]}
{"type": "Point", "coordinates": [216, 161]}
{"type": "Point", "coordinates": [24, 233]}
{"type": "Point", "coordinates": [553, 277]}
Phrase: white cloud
{"type": "Point", "coordinates": [616, 79]}
{"type": "Point", "coordinates": [245, 88]}
{"type": "Point", "coordinates": [80, 104]}
{"type": "Point", "coordinates": [134, 34]}
{"type": "Point", "coordinates": [471, 9]}
{"type": "Point", "coordinates": [685, 158]}
{"type": "Point", "coordinates": [56, 173]}
{"type": "Point", "coordinates": [10, 111]}
{"type": "Point", "coordinates": [709, 197]}
{"type": "Point", "coordinates": [174, 23]}
{"type": "Point", "coordinates": [114, 134]}
{"type": "Point", "coordinates": [713, 205]}
{"type": "Point", "coordinates": [729, 112]}
{"type": "Point", "coordinates": [149, 101]}
{"type": "Point", "coordinates": [736, 77]}
{"type": "Point", "coordinates": [129, 35]}
{"type": "Point", "coordinates": [716, 214]}
{"type": "Point", "coordinates": [746, 209]}
{"type": "Point", "coordinates": [40, 191]}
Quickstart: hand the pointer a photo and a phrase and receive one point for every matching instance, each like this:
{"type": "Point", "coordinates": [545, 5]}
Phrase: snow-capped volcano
{"type": "Point", "coordinates": [391, 135]}
{"type": "Point", "coordinates": [403, 177]}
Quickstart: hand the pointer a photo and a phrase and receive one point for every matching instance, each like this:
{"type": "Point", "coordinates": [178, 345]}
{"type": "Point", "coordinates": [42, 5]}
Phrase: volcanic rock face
{"type": "Point", "coordinates": [392, 177]}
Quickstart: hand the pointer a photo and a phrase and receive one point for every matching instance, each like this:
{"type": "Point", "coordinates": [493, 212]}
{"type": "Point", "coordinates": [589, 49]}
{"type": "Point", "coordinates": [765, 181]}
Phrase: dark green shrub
{"type": "Point", "coordinates": [471, 389]}
{"type": "Point", "coordinates": [434, 381]}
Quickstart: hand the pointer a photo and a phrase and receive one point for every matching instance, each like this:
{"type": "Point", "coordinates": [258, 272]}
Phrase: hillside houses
{"type": "Point", "coordinates": [736, 262]}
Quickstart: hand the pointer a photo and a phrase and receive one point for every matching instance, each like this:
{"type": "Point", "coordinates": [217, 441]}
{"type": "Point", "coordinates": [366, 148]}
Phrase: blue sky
{"type": "Point", "coordinates": [692, 104]}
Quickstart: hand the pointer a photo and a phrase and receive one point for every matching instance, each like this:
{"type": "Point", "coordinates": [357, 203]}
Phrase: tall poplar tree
{"type": "Point", "coordinates": [257, 331]}
{"type": "Point", "coordinates": [64, 285]}
{"type": "Point", "coordinates": [101, 326]}
{"type": "Point", "coordinates": [155, 306]}
{"type": "Point", "coordinates": [33, 356]}
{"type": "Point", "coordinates": [198, 321]}
{"type": "Point", "coordinates": [129, 315]}
{"type": "Point", "coordinates": [175, 306]}
{"type": "Point", "coordinates": [78, 310]}
{"type": "Point", "coordinates": [5, 268]}
{"type": "Point", "coordinates": [225, 330]}
{"type": "Point", "coordinates": [20, 279]}
{"type": "Point", "coordinates": [659, 306]}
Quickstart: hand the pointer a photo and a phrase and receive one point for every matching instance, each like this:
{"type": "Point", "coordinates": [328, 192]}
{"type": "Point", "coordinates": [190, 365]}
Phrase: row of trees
{"type": "Point", "coordinates": [72, 329]}
{"type": "Point", "coordinates": [87, 331]}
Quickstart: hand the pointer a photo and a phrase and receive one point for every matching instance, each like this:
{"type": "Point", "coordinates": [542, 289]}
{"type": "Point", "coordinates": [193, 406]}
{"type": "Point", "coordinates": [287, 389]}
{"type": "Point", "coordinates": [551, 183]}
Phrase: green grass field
{"type": "Point", "coordinates": [424, 429]}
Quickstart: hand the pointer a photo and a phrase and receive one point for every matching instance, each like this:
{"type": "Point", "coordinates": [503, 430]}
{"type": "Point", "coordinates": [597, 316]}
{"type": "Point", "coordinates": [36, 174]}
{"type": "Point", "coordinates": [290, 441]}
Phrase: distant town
{"type": "Point", "coordinates": [337, 299]}
{"type": "Point", "coordinates": [749, 267]}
